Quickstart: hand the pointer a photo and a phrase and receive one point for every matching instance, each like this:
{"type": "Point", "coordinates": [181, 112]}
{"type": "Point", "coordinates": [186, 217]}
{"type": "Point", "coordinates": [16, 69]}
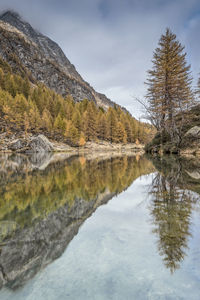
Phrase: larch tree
{"type": "Point", "coordinates": [46, 120]}
{"type": "Point", "coordinates": [112, 124]}
{"type": "Point", "coordinates": [71, 133]}
{"type": "Point", "coordinates": [90, 122]}
{"type": "Point", "coordinates": [60, 124]}
{"type": "Point", "coordinates": [198, 88]}
{"type": "Point", "coordinates": [169, 87]}
{"type": "Point", "coordinates": [102, 129]}
{"type": "Point", "coordinates": [76, 119]}
{"type": "Point", "coordinates": [121, 135]}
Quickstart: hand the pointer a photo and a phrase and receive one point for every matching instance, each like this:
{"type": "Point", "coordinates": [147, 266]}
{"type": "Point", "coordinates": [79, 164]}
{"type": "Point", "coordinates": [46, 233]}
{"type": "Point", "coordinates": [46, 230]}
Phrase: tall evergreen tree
{"type": "Point", "coordinates": [112, 123]}
{"type": "Point", "coordinates": [198, 88]}
{"type": "Point", "coordinates": [60, 124]}
{"type": "Point", "coordinates": [71, 133]}
{"type": "Point", "coordinates": [102, 129]}
{"type": "Point", "coordinates": [169, 86]}
{"type": "Point", "coordinates": [121, 136]}
{"type": "Point", "coordinates": [46, 120]}
{"type": "Point", "coordinates": [90, 122]}
{"type": "Point", "coordinates": [76, 119]}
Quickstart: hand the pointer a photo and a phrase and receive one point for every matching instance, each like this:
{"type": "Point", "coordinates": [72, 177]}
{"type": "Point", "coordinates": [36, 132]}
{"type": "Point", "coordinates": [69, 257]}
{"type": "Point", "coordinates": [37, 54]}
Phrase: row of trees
{"type": "Point", "coordinates": [169, 94]}
{"type": "Point", "coordinates": [39, 109]}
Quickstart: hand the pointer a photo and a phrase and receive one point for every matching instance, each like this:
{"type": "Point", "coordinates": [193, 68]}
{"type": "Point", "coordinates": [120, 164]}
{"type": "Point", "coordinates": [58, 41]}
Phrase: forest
{"type": "Point", "coordinates": [34, 108]}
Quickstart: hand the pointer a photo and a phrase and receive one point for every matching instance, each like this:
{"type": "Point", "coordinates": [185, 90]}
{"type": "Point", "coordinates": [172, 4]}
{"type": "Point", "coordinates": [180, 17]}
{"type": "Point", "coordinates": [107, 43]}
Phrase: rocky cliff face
{"type": "Point", "coordinates": [34, 54]}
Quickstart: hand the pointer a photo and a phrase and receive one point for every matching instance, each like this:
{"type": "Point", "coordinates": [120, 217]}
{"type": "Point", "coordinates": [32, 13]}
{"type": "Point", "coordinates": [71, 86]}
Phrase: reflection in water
{"type": "Point", "coordinates": [42, 208]}
{"type": "Point", "coordinates": [45, 199]}
{"type": "Point", "coordinates": [171, 209]}
{"type": "Point", "coordinates": [36, 194]}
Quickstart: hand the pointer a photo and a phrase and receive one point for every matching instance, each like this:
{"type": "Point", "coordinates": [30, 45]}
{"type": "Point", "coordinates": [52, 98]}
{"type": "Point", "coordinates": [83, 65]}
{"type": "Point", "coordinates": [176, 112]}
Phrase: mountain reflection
{"type": "Point", "coordinates": [171, 207]}
{"type": "Point", "coordinates": [35, 194]}
{"type": "Point", "coordinates": [44, 201]}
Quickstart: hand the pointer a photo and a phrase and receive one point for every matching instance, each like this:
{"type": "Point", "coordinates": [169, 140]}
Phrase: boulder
{"type": "Point", "coordinates": [17, 145]}
{"type": "Point", "coordinates": [193, 132]}
{"type": "Point", "coordinates": [40, 144]}
{"type": "Point", "coordinates": [195, 174]}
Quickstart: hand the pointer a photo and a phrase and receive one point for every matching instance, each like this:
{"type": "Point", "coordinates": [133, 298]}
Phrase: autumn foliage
{"type": "Point", "coordinates": [35, 108]}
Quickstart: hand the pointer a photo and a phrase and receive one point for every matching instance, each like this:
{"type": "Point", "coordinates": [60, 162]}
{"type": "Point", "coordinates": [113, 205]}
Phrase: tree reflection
{"type": "Point", "coordinates": [34, 195]}
{"type": "Point", "coordinates": [171, 208]}
{"type": "Point", "coordinates": [42, 210]}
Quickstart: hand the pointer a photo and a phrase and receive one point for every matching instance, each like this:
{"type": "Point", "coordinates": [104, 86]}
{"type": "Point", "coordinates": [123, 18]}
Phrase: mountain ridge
{"type": "Point", "coordinates": [44, 60]}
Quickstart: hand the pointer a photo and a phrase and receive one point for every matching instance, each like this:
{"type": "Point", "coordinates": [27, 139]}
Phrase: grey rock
{"type": "Point", "coordinates": [194, 174]}
{"type": "Point", "coordinates": [40, 159]}
{"type": "Point", "coordinates": [193, 132]}
{"type": "Point", "coordinates": [2, 280]}
{"type": "Point", "coordinates": [40, 144]}
{"type": "Point", "coordinates": [17, 145]}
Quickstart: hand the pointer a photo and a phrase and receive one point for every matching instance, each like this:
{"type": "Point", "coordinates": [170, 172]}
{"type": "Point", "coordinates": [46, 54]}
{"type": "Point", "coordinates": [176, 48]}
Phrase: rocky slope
{"type": "Point", "coordinates": [37, 56]}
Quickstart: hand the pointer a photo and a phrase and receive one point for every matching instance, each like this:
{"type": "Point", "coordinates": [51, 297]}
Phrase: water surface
{"type": "Point", "coordinates": [91, 228]}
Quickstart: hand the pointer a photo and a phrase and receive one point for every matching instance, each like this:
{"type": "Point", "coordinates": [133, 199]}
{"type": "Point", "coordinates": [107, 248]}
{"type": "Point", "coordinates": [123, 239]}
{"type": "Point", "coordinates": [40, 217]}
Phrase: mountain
{"type": "Point", "coordinates": [42, 93]}
{"type": "Point", "coordinates": [31, 52]}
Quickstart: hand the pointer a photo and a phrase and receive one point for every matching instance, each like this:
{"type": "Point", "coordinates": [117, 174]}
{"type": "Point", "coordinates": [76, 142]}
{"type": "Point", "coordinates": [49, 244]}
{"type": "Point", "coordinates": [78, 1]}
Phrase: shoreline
{"type": "Point", "coordinates": [41, 144]}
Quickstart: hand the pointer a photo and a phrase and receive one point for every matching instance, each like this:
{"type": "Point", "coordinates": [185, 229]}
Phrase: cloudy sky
{"type": "Point", "coordinates": [111, 42]}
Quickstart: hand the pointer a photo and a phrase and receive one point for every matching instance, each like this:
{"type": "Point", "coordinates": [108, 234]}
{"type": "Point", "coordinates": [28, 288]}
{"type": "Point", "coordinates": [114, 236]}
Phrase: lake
{"type": "Point", "coordinates": [109, 227]}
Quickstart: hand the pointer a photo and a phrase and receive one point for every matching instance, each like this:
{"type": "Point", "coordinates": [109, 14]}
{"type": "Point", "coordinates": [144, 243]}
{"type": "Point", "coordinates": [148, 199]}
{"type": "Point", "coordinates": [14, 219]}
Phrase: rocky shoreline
{"type": "Point", "coordinates": [41, 144]}
{"type": "Point", "coordinates": [189, 146]}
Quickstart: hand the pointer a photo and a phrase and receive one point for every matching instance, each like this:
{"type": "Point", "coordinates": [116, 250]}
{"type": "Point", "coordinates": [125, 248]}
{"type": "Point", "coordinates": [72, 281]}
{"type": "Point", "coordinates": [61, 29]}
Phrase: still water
{"type": "Point", "coordinates": [99, 228]}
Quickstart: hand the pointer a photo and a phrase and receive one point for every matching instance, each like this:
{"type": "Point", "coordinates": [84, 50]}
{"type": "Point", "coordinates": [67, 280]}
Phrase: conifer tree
{"type": "Point", "coordinates": [169, 86]}
{"type": "Point", "coordinates": [71, 133]}
{"type": "Point", "coordinates": [76, 120]}
{"type": "Point", "coordinates": [60, 124]}
{"type": "Point", "coordinates": [112, 123]}
{"type": "Point", "coordinates": [84, 105]}
{"type": "Point", "coordinates": [102, 127]}
{"type": "Point", "coordinates": [46, 119]}
{"type": "Point", "coordinates": [26, 123]}
{"type": "Point", "coordinates": [82, 139]}
{"type": "Point", "coordinates": [10, 84]}
{"type": "Point", "coordinates": [128, 130]}
{"type": "Point", "coordinates": [34, 117]}
{"type": "Point", "coordinates": [198, 88]}
{"type": "Point", "coordinates": [2, 80]}
{"type": "Point", "coordinates": [90, 122]}
{"type": "Point", "coordinates": [121, 136]}
{"type": "Point", "coordinates": [26, 88]}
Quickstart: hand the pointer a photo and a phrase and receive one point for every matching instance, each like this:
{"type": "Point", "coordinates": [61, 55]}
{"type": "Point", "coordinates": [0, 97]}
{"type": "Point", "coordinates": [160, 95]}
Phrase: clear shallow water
{"type": "Point", "coordinates": [141, 244]}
